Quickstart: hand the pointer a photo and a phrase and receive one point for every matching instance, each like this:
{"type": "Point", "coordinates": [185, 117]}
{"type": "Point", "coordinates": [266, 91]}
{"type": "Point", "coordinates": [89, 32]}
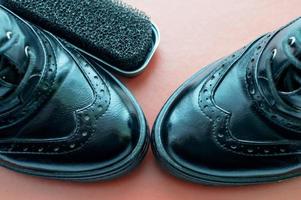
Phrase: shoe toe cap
{"type": "Point", "coordinates": [121, 128]}
{"type": "Point", "coordinates": [182, 130]}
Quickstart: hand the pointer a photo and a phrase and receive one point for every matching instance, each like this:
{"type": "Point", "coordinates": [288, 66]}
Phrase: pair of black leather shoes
{"type": "Point", "coordinates": [63, 116]}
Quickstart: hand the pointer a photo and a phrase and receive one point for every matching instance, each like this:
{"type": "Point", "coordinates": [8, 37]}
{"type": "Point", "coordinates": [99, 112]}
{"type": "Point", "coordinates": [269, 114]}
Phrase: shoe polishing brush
{"type": "Point", "coordinates": [115, 34]}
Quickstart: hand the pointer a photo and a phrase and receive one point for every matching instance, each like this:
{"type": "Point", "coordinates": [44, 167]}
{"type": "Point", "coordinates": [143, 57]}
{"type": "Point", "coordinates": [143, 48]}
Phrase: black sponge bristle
{"type": "Point", "coordinates": [108, 29]}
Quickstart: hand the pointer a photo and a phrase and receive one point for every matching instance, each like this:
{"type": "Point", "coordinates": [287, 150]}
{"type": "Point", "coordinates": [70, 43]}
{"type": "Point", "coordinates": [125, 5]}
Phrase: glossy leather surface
{"type": "Point", "coordinates": [67, 121]}
{"type": "Point", "coordinates": [222, 125]}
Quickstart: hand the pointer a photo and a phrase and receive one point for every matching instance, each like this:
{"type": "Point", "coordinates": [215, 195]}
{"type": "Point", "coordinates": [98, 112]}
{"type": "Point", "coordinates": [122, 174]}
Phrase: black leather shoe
{"type": "Point", "coordinates": [59, 117]}
{"type": "Point", "coordinates": [237, 121]}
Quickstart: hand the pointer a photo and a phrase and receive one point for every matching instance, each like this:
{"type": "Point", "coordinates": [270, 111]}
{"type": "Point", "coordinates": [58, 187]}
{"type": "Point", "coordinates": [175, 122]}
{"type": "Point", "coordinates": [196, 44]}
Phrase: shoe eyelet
{"type": "Point", "coordinates": [26, 50]}
{"type": "Point", "coordinates": [292, 41]}
{"type": "Point", "coordinates": [274, 53]}
{"type": "Point", "coordinates": [72, 146]}
{"type": "Point", "coordinates": [9, 34]}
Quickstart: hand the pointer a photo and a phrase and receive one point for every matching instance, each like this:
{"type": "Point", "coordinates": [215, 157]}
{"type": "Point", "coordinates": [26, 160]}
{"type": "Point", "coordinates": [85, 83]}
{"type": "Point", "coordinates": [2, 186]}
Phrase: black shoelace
{"type": "Point", "coordinates": [10, 76]}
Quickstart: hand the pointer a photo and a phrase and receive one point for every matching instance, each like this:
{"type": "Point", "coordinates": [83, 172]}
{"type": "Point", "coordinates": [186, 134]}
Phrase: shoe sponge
{"type": "Point", "coordinates": [108, 29]}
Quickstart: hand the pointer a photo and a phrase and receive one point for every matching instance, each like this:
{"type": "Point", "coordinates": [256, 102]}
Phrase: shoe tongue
{"type": "Point", "coordinates": [288, 80]}
{"type": "Point", "coordinates": [288, 84]}
{"type": "Point", "coordinates": [9, 77]}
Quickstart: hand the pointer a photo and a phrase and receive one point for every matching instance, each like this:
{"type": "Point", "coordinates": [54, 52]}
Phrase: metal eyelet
{"type": "Point", "coordinates": [9, 34]}
{"type": "Point", "coordinates": [26, 49]}
{"type": "Point", "coordinates": [274, 53]}
{"type": "Point", "coordinates": [292, 41]}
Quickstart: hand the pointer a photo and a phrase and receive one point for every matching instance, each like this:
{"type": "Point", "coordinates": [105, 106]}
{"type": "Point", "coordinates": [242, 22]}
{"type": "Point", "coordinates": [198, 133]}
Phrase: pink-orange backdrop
{"type": "Point", "coordinates": [194, 33]}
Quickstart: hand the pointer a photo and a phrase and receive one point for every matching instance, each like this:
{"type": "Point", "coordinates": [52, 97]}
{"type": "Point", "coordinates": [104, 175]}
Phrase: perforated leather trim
{"type": "Point", "coordinates": [220, 119]}
{"type": "Point", "coordinates": [85, 118]}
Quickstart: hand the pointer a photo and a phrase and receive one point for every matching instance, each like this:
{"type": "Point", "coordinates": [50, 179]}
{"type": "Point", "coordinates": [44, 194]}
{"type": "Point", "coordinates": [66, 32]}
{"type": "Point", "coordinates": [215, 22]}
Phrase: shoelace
{"type": "Point", "coordinates": [287, 48]}
{"type": "Point", "coordinates": [8, 68]}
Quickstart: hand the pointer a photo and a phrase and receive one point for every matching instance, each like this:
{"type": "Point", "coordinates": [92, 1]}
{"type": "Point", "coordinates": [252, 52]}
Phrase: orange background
{"type": "Point", "coordinates": [193, 33]}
